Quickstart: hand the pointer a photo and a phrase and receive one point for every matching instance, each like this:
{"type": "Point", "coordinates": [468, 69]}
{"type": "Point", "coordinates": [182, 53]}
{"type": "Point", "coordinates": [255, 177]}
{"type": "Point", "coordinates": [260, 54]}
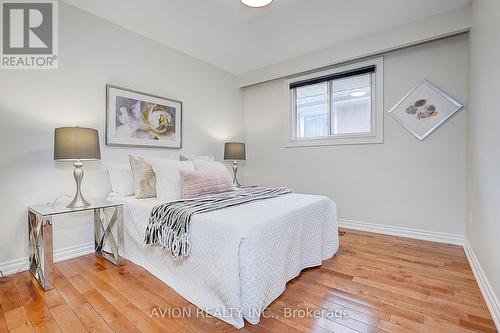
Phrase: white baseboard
{"type": "Point", "coordinates": [22, 264]}
{"type": "Point", "coordinates": [14, 266]}
{"type": "Point", "coordinates": [73, 252]}
{"type": "Point", "coordinates": [486, 289]}
{"type": "Point", "coordinates": [403, 232]}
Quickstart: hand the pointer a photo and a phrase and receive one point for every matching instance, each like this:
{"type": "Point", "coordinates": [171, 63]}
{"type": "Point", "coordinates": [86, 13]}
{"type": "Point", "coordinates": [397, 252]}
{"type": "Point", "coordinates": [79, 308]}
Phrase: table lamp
{"type": "Point", "coordinates": [77, 144]}
{"type": "Point", "coordinates": [235, 151]}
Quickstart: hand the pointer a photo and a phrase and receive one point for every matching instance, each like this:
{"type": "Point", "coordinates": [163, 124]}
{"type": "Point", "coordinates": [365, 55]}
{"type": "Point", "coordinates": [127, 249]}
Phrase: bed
{"type": "Point", "coordinates": [242, 256]}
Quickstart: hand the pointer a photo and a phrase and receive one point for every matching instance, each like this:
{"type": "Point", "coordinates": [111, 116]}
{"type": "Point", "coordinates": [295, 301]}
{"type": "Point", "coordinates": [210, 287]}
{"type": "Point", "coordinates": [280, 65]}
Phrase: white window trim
{"type": "Point", "coordinates": [376, 136]}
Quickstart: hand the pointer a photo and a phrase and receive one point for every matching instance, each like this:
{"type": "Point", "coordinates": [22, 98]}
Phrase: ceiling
{"type": "Point", "coordinates": [238, 39]}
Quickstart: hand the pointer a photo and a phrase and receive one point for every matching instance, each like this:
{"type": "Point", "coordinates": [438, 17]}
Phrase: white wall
{"type": "Point", "coordinates": [94, 52]}
{"type": "Point", "coordinates": [483, 226]}
{"type": "Point", "coordinates": [403, 182]}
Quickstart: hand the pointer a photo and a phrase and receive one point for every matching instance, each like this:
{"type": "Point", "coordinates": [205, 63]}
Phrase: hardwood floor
{"type": "Point", "coordinates": [380, 283]}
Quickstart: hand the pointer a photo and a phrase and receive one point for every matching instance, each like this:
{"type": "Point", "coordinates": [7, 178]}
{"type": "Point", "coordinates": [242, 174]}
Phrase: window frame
{"type": "Point", "coordinates": [377, 106]}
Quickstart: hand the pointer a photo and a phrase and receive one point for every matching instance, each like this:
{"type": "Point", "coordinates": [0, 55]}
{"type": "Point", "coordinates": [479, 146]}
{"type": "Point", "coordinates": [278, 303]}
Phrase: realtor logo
{"type": "Point", "coordinates": [29, 34]}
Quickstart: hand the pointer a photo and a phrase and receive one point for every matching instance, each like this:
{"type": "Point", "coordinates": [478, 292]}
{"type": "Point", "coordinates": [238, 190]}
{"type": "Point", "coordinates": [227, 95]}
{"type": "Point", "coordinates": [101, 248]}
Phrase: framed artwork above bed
{"type": "Point", "coordinates": [137, 119]}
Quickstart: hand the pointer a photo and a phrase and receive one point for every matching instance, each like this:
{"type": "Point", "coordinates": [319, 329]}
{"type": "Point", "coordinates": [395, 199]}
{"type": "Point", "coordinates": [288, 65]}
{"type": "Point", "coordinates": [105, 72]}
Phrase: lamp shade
{"type": "Point", "coordinates": [76, 143]}
{"type": "Point", "coordinates": [234, 151]}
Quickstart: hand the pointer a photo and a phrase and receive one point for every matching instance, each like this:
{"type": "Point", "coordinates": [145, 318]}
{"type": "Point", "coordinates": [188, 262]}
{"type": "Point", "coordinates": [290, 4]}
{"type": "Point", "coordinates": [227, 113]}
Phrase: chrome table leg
{"type": "Point", "coordinates": [103, 231]}
{"type": "Point", "coordinates": [40, 249]}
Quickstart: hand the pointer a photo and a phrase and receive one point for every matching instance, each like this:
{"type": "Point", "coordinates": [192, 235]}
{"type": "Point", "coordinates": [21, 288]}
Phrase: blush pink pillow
{"type": "Point", "coordinates": [197, 183]}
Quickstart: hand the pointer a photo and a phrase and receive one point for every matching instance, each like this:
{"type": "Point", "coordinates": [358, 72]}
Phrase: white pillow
{"type": "Point", "coordinates": [202, 164]}
{"type": "Point", "coordinates": [168, 179]}
{"type": "Point", "coordinates": [206, 158]}
{"type": "Point", "coordinates": [122, 179]}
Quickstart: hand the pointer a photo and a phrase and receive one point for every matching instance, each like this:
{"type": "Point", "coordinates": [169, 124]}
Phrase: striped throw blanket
{"type": "Point", "coordinates": [169, 222]}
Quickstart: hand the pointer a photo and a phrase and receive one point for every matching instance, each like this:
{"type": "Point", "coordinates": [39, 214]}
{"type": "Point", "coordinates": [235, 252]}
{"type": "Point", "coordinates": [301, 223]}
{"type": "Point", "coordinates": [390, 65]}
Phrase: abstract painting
{"type": "Point", "coordinates": [424, 109]}
{"type": "Point", "coordinates": [138, 119]}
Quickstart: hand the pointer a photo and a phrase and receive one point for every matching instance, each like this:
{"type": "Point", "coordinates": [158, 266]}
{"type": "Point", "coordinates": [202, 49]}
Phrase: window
{"type": "Point", "coordinates": [312, 110]}
{"type": "Point", "coordinates": [339, 106]}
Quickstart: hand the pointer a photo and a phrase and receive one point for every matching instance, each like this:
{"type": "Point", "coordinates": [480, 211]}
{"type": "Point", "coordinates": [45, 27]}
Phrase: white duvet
{"type": "Point", "coordinates": [243, 256]}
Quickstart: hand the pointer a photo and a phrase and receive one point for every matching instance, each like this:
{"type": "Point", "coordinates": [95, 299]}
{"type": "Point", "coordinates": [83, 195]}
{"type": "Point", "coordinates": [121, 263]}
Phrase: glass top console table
{"type": "Point", "coordinates": [107, 217]}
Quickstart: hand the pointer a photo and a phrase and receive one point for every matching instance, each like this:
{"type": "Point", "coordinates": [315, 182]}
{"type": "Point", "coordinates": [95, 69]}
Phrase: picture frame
{"type": "Point", "coordinates": [424, 109]}
{"type": "Point", "coordinates": [138, 119]}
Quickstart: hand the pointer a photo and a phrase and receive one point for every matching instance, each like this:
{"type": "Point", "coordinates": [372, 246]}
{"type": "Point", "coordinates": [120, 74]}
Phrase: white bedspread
{"type": "Point", "coordinates": [243, 256]}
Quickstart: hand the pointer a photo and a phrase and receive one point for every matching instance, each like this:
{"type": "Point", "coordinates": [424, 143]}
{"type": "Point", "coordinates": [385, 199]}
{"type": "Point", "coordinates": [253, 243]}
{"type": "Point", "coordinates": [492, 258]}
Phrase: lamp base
{"type": "Point", "coordinates": [78, 201]}
{"type": "Point", "coordinates": [236, 183]}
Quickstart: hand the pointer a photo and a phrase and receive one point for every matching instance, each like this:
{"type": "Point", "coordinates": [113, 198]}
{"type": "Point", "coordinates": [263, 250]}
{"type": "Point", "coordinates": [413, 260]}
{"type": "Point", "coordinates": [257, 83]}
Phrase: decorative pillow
{"type": "Point", "coordinates": [122, 179]}
{"type": "Point", "coordinates": [197, 183]}
{"type": "Point", "coordinates": [144, 177]}
{"type": "Point", "coordinates": [205, 158]}
{"type": "Point", "coordinates": [204, 165]}
{"type": "Point", "coordinates": [168, 180]}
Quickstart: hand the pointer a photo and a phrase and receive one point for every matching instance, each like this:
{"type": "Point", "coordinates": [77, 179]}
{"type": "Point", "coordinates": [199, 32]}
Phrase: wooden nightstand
{"type": "Point", "coordinates": [40, 235]}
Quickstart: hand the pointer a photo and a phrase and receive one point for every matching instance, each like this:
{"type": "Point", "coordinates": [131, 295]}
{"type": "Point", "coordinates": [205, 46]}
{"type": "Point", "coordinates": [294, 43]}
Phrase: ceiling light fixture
{"type": "Point", "coordinates": [256, 3]}
{"type": "Point", "coordinates": [358, 93]}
